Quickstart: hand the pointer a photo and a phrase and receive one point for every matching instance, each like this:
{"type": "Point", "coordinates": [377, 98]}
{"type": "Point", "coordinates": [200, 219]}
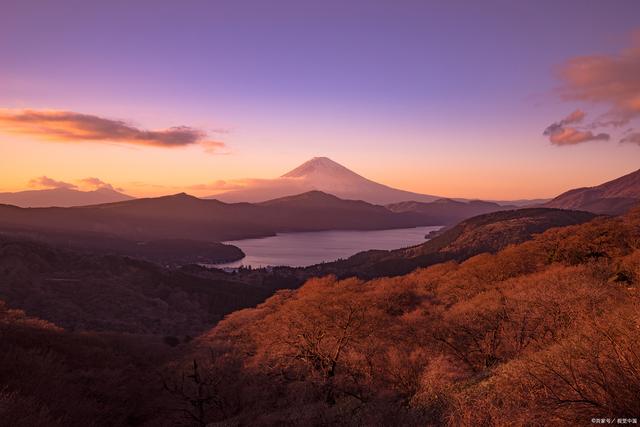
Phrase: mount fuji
{"type": "Point", "coordinates": [322, 174]}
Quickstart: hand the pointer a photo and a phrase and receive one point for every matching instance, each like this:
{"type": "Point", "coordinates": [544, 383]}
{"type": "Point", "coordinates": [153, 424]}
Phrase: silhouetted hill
{"type": "Point", "coordinates": [186, 217]}
{"type": "Point", "coordinates": [81, 291]}
{"type": "Point", "coordinates": [315, 210]}
{"type": "Point", "coordinates": [611, 198]}
{"type": "Point", "coordinates": [447, 211]}
{"type": "Point", "coordinates": [166, 251]}
{"type": "Point", "coordinates": [61, 197]}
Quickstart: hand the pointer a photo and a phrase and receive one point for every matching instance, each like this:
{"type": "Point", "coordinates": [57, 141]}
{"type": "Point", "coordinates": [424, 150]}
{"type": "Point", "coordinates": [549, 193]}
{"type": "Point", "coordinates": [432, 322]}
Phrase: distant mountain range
{"type": "Point", "coordinates": [447, 211]}
{"type": "Point", "coordinates": [318, 174]}
{"type": "Point", "coordinates": [323, 174]}
{"type": "Point", "coordinates": [61, 197]}
{"type": "Point", "coordinates": [183, 216]}
{"type": "Point", "coordinates": [611, 198]}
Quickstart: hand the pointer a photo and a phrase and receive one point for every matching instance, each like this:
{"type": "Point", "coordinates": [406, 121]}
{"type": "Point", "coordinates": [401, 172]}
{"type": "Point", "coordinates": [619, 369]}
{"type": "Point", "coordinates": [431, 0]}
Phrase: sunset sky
{"type": "Point", "coordinates": [494, 100]}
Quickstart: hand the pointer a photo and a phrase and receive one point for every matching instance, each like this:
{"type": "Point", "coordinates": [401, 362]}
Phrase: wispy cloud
{"type": "Point", "coordinates": [572, 136]}
{"type": "Point", "coordinates": [92, 183]}
{"type": "Point", "coordinates": [610, 81]}
{"type": "Point", "coordinates": [632, 138]}
{"type": "Point", "coordinates": [97, 184]}
{"type": "Point", "coordinates": [564, 133]}
{"type": "Point", "coordinates": [46, 182]}
{"type": "Point", "coordinates": [68, 126]}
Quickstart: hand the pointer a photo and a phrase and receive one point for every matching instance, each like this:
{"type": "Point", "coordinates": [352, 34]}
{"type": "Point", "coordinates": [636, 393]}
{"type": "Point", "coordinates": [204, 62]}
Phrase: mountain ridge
{"type": "Point", "coordinates": [612, 197]}
{"type": "Point", "coordinates": [61, 197]}
{"type": "Point", "coordinates": [182, 216]}
{"type": "Point", "coordinates": [448, 211]}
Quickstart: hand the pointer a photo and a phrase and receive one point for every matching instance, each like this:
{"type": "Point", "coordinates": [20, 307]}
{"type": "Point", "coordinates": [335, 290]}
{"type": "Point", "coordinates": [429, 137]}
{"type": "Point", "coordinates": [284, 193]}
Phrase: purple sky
{"type": "Point", "coordinates": [446, 98]}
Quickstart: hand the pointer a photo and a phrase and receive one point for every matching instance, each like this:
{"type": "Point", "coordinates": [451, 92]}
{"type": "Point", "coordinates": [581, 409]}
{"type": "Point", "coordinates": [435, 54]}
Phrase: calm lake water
{"type": "Point", "coordinates": [302, 249]}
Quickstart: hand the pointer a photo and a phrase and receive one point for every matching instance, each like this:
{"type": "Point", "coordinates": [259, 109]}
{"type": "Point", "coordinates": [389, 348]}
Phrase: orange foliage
{"type": "Point", "coordinates": [541, 332]}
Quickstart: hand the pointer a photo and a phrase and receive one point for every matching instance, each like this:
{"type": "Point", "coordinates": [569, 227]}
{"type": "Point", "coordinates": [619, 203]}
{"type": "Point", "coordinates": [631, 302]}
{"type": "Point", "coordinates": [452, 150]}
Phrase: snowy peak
{"type": "Point", "coordinates": [321, 166]}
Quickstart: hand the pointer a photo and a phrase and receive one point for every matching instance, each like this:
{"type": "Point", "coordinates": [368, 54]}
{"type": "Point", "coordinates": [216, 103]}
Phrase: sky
{"type": "Point", "coordinates": [494, 100]}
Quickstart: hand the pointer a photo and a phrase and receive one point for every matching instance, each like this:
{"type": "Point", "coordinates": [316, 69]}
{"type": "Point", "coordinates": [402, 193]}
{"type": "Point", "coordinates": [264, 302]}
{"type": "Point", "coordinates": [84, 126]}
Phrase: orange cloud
{"type": "Point", "coordinates": [609, 80]}
{"type": "Point", "coordinates": [85, 183]}
{"type": "Point", "coordinates": [561, 134]}
{"type": "Point", "coordinates": [68, 126]}
{"type": "Point", "coordinates": [46, 182]}
{"type": "Point", "coordinates": [97, 184]}
{"type": "Point", "coordinates": [575, 117]}
{"type": "Point", "coordinates": [572, 136]}
{"type": "Point", "coordinates": [612, 80]}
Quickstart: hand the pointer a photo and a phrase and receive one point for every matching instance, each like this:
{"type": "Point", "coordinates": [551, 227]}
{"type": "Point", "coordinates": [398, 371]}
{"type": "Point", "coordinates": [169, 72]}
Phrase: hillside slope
{"type": "Point", "coordinates": [447, 211]}
{"type": "Point", "coordinates": [611, 198]}
{"type": "Point", "coordinates": [56, 378]}
{"type": "Point", "coordinates": [82, 291]}
{"type": "Point", "coordinates": [541, 333]}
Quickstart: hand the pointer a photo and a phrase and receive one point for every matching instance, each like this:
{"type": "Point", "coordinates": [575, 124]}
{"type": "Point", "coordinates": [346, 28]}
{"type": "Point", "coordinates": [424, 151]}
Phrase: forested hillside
{"type": "Point", "coordinates": [540, 333]}
{"type": "Point", "coordinates": [84, 291]}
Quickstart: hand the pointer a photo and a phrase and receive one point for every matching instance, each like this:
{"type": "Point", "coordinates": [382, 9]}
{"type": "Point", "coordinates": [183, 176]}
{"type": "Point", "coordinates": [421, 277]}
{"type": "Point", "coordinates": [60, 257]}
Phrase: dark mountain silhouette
{"type": "Point", "coordinates": [186, 217]}
{"type": "Point", "coordinates": [611, 198]}
{"type": "Point", "coordinates": [61, 197]}
{"type": "Point", "coordinates": [447, 211]}
{"type": "Point", "coordinates": [82, 291]}
{"type": "Point", "coordinates": [173, 252]}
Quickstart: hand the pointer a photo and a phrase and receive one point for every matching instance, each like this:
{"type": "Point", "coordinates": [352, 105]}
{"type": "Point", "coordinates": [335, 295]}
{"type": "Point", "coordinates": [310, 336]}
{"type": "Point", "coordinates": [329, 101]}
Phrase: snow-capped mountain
{"type": "Point", "coordinates": [322, 174]}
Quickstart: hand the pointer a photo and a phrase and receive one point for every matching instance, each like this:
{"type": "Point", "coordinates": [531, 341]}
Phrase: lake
{"type": "Point", "coordinates": [302, 249]}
